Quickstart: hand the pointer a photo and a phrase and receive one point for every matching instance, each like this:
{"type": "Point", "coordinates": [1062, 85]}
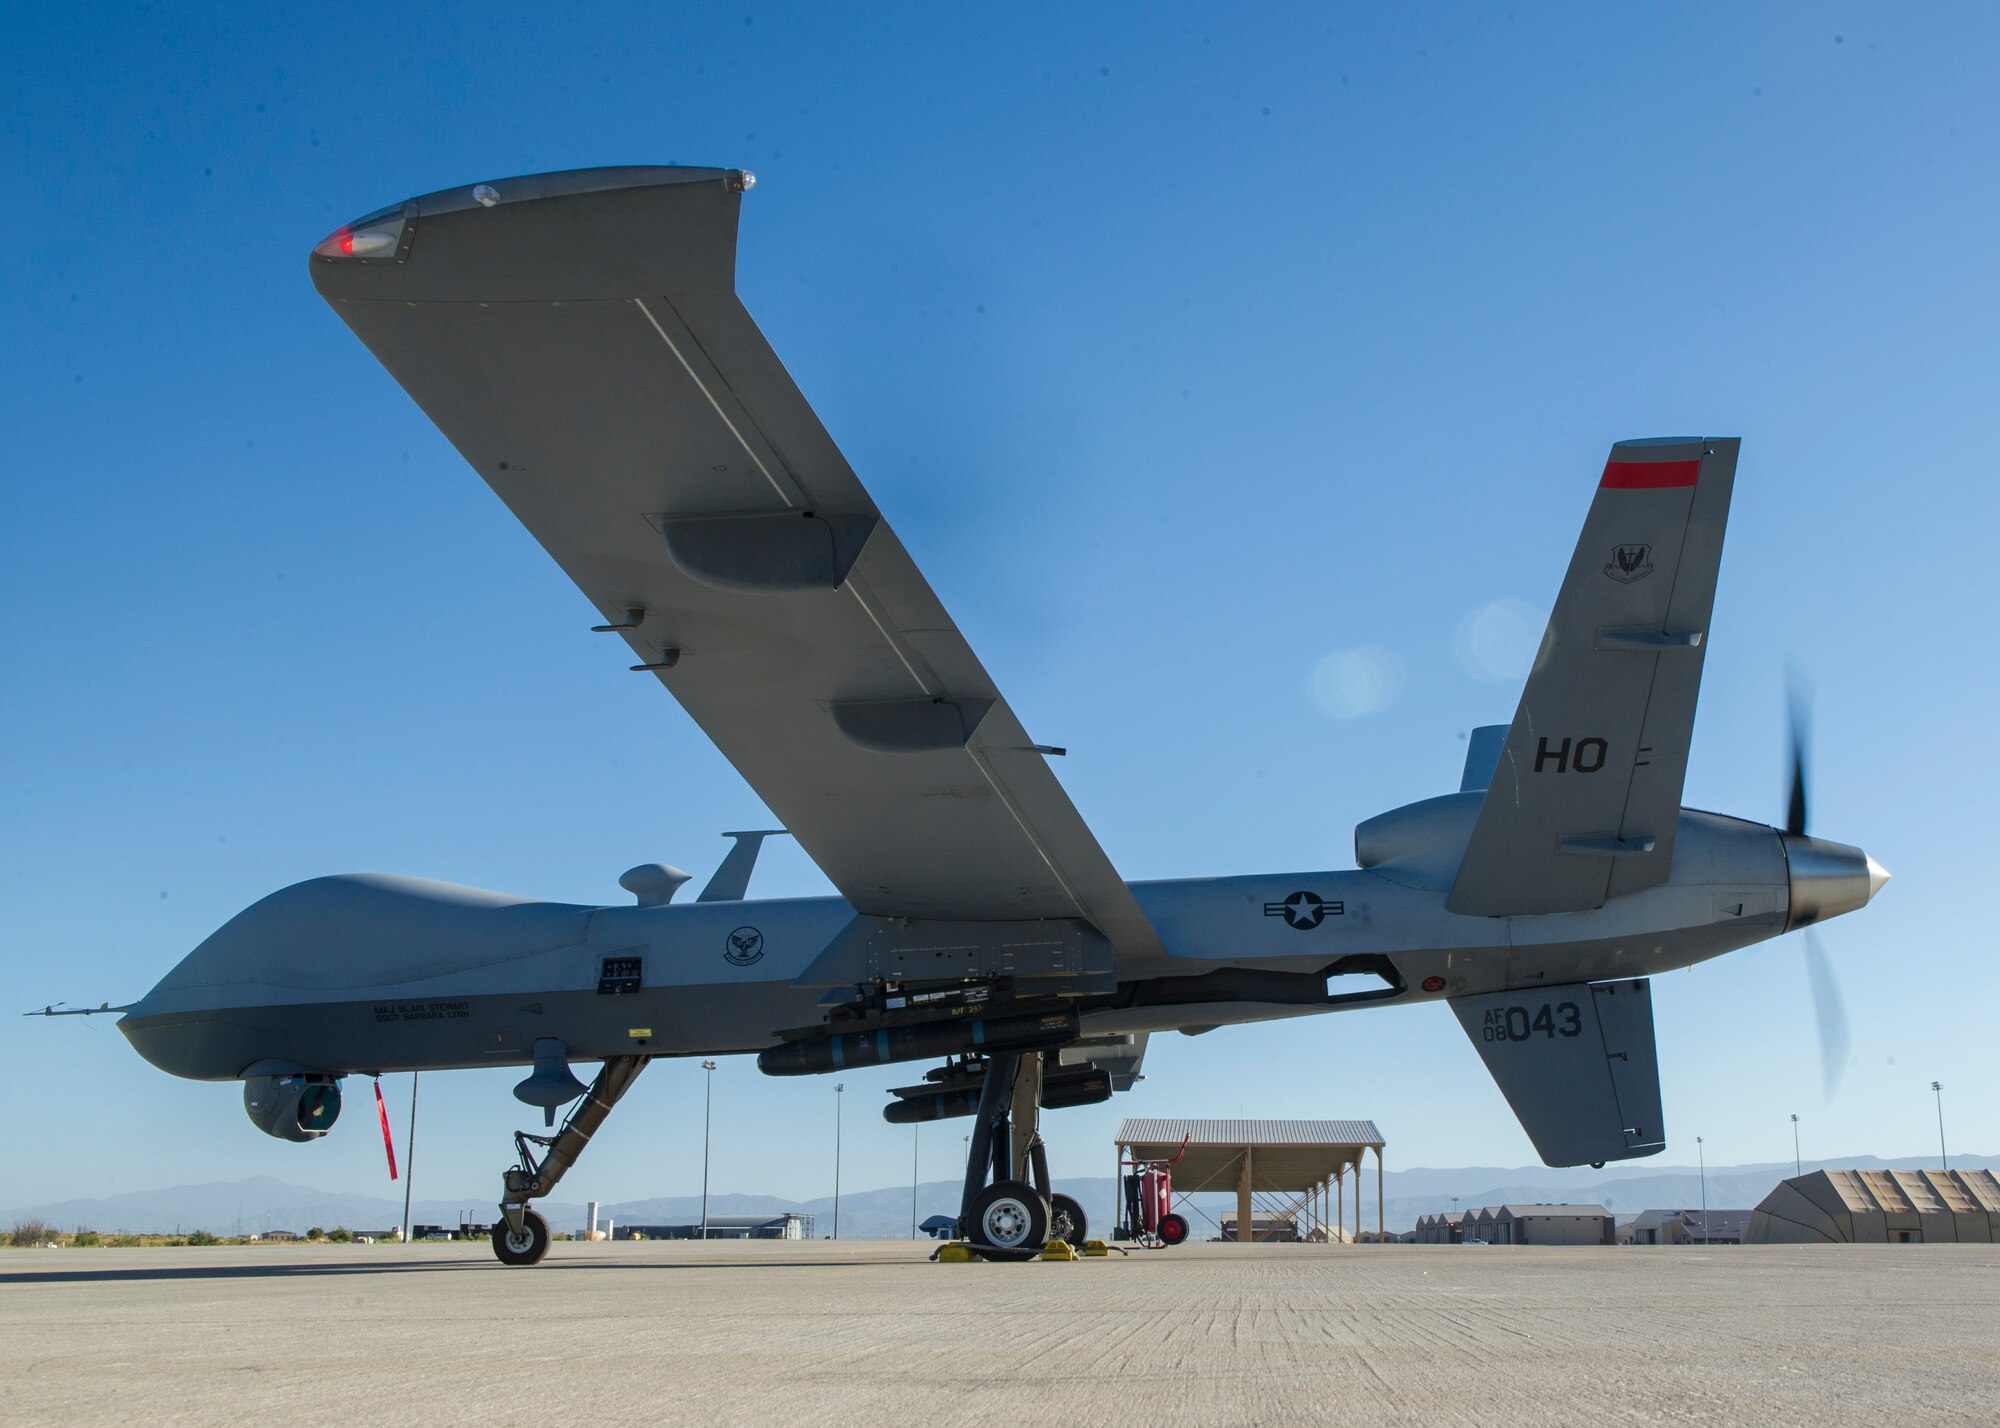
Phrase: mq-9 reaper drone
{"type": "Point", "coordinates": [578, 338]}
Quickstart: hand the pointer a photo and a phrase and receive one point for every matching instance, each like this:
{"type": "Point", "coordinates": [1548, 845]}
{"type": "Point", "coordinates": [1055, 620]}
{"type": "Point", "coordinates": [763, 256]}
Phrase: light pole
{"type": "Point", "coordinates": [707, 1115]}
{"type": "Point", "coordinates": [1796, 1171]}
{"type": "Point", "coordinates": [1938, 1091]}
{"type": "Point", "coordinates": [838, 1087]}
{"type": "Point", "coordinates": [913, 1180]}
{"type": "Point", "coordinates": [409, 1159]}
{"type": "Point", "coordinates": [1702, 1156]}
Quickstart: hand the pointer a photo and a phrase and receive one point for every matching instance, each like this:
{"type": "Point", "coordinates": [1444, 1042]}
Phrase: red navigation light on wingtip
{"type": "Point", "coordinates": [377, 240]}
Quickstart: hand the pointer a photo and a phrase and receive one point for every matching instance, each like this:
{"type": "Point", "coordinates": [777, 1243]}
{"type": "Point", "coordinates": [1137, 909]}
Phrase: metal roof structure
{"type": "Point", "coordinates": [1551, 1211]}
{"type": "Point", "coordinates": [1286, 1155]}
{"type": "Point", "coordinates": [1146, 1131]}
{"type": "Point", "coordinates": [1301, 1158]}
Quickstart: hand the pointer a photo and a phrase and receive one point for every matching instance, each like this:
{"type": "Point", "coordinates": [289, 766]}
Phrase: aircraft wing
{"type": "Point", "coordinates": [578, 338]}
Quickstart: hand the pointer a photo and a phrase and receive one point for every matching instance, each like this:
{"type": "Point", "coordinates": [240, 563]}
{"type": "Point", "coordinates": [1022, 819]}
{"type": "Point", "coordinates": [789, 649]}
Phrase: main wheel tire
{"type": "Point", "coordinates": [1009, 1215]}
{"type": "Point", "coordinates": [528, 1247]}
{"type": "Point", "coordinates": [1173, 1229]}
{"type": "Point", "coordinates": [1067, 1221]}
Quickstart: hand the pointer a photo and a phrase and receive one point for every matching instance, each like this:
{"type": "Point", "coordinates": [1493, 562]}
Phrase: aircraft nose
{"type": "Point", "coordinates": [1828, 878]}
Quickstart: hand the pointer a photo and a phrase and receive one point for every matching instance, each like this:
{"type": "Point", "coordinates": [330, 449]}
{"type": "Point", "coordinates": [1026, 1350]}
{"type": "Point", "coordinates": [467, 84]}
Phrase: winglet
{"type": "Point", "coordinates": [732, 879]}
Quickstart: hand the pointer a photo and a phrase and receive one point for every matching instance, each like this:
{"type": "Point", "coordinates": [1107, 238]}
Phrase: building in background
{"type": "Point", "coordinates": [1518, 1225]}
{"type": "Point", "coordinates": [790, 1225]}
{"type": "Point", "coordinates": [1880, 1207]}
{"type": "Point", "coordinates": [1552, 1225]}
{"type": "Point", "coordinates": [1690, 1227]}
{"type": "Point", "coordinates": [1437, 1229]}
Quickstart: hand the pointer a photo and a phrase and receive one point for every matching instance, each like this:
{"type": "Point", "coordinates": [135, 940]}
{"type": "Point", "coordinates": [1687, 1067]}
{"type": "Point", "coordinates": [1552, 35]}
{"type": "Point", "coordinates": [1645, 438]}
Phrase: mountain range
{"type": "Point", "coordinates": [262, 1203]}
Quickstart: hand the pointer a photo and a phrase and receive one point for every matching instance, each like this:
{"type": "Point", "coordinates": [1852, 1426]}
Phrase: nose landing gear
{"type": "Point", "coordinates": [522, 1236]}
{"type": "Point", "coordinates": [525, 1246]}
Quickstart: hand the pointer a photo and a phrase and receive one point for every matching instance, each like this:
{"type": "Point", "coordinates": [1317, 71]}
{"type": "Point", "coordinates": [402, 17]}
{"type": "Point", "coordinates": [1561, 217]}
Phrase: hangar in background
{"type": "Point", "coordinates": [1519, 1225]}
{"type": "Point", "coordinates": [1880, 1207]}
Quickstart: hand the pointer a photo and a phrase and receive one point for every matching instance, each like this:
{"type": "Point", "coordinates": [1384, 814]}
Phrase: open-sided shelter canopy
{"type": "Point", "coordinates": [1302, 1159]}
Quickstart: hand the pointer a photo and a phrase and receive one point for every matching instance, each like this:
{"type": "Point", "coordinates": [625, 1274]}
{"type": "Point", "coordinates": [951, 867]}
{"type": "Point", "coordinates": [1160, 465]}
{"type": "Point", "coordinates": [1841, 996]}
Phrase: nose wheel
{"type": "Point", "coordinates": [524, 1246]}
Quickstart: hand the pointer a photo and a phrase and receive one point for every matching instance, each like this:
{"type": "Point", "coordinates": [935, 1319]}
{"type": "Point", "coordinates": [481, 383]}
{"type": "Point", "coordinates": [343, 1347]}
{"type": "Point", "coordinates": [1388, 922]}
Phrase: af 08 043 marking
{"type": "Point", "coordinates": [1516, 1024]}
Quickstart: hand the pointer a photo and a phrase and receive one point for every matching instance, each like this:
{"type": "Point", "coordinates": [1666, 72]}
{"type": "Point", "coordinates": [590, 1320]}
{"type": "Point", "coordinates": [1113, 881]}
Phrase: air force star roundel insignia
{"type": "Point", "coordinates": [1304, 910]}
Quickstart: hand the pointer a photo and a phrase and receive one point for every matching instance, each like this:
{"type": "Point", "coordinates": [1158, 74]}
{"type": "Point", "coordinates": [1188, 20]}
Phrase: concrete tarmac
{"type": "Point", "coordinates": [863, 1333]}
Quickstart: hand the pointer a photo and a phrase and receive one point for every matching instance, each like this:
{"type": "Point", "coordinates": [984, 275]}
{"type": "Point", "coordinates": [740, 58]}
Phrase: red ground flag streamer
{"type": "Point", "coordinates": [388, 1145]}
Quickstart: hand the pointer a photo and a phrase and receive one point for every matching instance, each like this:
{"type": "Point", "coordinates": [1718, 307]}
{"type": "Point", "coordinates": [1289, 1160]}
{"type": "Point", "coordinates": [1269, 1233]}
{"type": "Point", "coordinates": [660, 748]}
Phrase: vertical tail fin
{"type": "Point", "coordinates": [1586, 796]}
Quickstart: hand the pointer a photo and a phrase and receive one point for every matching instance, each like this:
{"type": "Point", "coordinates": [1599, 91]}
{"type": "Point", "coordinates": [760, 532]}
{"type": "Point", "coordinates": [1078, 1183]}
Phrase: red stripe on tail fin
{"type": "Point", "coordinates": [1649, 475]}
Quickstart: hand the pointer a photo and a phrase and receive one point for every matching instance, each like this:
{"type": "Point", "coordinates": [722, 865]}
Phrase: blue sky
{"type": "Point", "coordinates": [1186, 356]}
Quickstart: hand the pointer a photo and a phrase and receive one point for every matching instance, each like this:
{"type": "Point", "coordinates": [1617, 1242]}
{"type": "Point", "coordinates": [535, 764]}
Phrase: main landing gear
{"type": "Point", "coordinates": [521, 1236]}
{"type": "Point", "coordinates": [1009, 1210]}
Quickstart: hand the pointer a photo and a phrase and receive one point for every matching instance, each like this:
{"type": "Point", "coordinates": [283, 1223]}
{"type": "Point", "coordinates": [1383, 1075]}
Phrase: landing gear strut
{"type": "Point", "coordinates": [1012, 1216]}
{"type": "Point", "coordinates": [522, 1236]}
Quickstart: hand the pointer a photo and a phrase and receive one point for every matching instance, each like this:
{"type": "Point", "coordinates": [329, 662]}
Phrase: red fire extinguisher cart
{"type": "Point", "coordinates": [1150, 1217]}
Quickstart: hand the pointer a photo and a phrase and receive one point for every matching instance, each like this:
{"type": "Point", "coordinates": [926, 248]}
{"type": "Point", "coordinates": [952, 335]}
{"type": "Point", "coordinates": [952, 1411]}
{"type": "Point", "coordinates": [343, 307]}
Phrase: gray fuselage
{"type": "Point", "coordinates": [371, 973]}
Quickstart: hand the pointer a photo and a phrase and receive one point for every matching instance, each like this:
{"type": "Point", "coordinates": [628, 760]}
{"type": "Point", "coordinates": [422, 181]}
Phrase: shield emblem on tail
{"type": "Point", "coordinates": [1630, 563]}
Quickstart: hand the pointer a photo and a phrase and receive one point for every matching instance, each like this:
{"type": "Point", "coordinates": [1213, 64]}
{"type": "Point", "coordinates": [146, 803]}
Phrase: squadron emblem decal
{"type": "Point", "coordinates": [745, 945]}
{"type": "Point", "coordinates": [1630, 563]}
{"type": "Point", "coordinates": [1304, 910]}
